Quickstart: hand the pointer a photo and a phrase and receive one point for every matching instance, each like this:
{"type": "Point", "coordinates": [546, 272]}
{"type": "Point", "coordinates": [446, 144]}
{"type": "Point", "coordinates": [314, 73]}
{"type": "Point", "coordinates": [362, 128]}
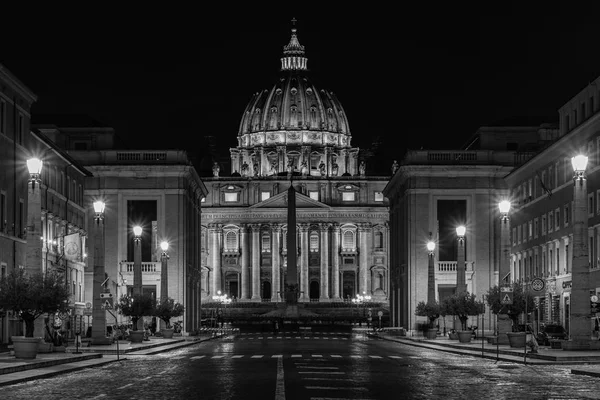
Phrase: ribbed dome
{"type": "Point", "coordinates": [294, 103]}
{"type": "Point", "coordinates": [294, 126]}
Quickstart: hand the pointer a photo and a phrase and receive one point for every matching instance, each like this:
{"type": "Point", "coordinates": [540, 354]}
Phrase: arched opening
{"type": "Point", "coordinates": [348, 285]}
{"type": "Point", "coordinates": [314, 290]}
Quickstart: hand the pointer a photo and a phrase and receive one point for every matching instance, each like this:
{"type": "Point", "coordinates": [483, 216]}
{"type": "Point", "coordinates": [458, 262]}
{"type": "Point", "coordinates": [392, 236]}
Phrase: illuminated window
{"type": "Point", "coordinates": [348, 240]}
{"type": "Point", "coordinates": [314, 242]}
{"type": "Point", "coordinates": [266, 242]}
{"type": "Point", "coordinates": [231, 197]}
{"type": "Point", "coordinates": [378, 196]}
{"type": "Point", "coordinates": [348, 196]}
{"type": "Point", "coordinates": [378, 240]}
{"type": "Point", "coordinates": [264, 195]}
{"type": "Point", "coordinates": [231, 241]}
{"type": "Point", "coordinates": [313, 194]}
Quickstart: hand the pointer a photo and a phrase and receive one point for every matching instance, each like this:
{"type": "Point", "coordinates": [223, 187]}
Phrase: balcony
{"type": "Point", "coordinates": [150, 273]}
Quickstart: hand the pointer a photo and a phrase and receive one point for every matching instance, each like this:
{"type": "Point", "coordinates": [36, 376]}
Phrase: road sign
{"type": "Point", "coordinates": [63, 315]}
{"type": "Point", "coordinates": [88, 304]}
{"type": "Point", "coordinates": [506, 295]}
{"type": "Point", "coordinates": [79, 311]}
{"type": "Point", "coordinates": [106, 296]}
{"type": "Point", "coordinates": [380, 313]}
{"type": "Point", "coordinates": [87, 312]}
{"type": "Point", "coordinates": [107, 305]}
{"type": "Point", "coordinates": [537, 285]}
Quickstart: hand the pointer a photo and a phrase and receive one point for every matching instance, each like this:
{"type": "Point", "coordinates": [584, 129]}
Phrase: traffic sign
{"type": "Point", "coordinates": [88, 304]}
{"type": "Point", "coordinates": [506, 295]}
{"type": "Point", "coordinates": [537, 284]}
{"type": "Point", "coordinates": [106, 296]}
{"type": "Point", "coordinates": [107, 305]}
{"type": "Point", "coordinates": [594, 304]}
{"type": "Point", "coordinates": [380, 313]}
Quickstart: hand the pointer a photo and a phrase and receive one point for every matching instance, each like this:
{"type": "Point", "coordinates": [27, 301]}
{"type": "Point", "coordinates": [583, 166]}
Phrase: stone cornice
{"type": "Point", "coordinates": [309, 215]}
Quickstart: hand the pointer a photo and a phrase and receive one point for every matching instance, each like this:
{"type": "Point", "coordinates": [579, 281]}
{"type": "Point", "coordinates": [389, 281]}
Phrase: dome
{"type": "Point", "coordinates": [294, 127]}
{"type": "Point", "coordinates": [294, 104]}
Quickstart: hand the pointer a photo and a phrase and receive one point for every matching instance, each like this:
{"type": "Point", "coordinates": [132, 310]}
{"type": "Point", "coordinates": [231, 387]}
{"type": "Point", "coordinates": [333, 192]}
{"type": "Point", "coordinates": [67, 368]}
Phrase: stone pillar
{"type": "Point", "coordinates": [245, 263]}
{"type": "Point", "coordinates": [275, 262]}
{"type": "Point", "coordinates": [98, 313]}
{"type": "Point", "coordinates": [215, 233]}
{"type": "Point", "coordinates": [335, 262]}
{"type": "Point", "coordinates": [324, 292]}
{"type": "Point", "coordinates": [34, 227]}
{"type": "Point", "coordinates": [304, 262]}
{"type": "Point", "coordinates": [363, 259]}
{"type": "Point", "coordinates": [255, 261]}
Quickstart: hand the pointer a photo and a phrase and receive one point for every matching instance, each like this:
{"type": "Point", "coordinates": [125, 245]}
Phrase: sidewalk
{"type": "Point", "coordinates": [15, 370]}
{"type": "Point", "coordinates": [584, 362]}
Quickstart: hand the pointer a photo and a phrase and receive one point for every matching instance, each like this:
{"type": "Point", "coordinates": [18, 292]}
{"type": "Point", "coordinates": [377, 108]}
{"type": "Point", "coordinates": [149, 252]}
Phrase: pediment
{"type": "Point", "coordinates": [280, 201]}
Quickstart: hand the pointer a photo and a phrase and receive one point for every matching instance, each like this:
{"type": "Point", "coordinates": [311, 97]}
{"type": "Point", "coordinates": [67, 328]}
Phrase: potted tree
{"type": "Point", "coordinates": [521, 301]}
{"type": "Point", "coordinates": [463, 305]}
{"type": "Point", "coordinates": [431, 310]}
{"type": "Point", "coordinates": [135, 306]}
{"type": "Point", "coordinates": [29, 295]}
{"type": "Point", "coordinates": [165, 310]}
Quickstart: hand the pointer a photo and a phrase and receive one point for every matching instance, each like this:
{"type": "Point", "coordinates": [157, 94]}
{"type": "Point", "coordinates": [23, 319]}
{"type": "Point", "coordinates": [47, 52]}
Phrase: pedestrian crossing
{"type": "Point", "coordinates": [293, 336]}
{"type": "Point", "coordinates": [313, 357]}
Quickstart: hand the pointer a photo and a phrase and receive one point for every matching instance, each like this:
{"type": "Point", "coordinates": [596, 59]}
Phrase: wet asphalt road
{"type": "Point", "coordinates": [329, 365]}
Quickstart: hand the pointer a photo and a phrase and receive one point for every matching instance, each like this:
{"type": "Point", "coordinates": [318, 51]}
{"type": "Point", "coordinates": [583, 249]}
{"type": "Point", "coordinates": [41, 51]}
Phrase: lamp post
{"type": "Point", "coordinates": [137, 267]}
{"type": "Point", "coordinates": [221, 299]}
{"type": "Point", "coordinates": [164, 256]}
{"type": "Point", "coordinates": [504, 323]}
{"type": "Point", "coordinates": [430, 271]}
{"type": "Point", "coordinates": [98, 313]}
{"type": "Point", "coordinates": [34, 217]}
{"type": "Point", "coordinates": [580, 326]}
{"type": "Point", "coordinates": [461, 280]}
{"type": "Point", "coordinates": [360, 299]}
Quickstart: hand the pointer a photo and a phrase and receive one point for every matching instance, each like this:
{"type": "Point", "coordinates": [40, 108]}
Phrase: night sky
{"type": "Point", "coordinates": [412, 77]}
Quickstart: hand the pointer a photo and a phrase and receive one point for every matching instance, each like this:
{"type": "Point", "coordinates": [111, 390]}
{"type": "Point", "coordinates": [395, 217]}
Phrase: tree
{"type": "Point", "coordinates": [521, 300]}
{"type": "Point", "coordinates": [463, 305]}
{"type": "Point", "coordinates": [135, 306]}
{"type": "Point", "coordinates": [431, 310]}
{"type": "Point", "coordinates": [167, 309]}
{"type": "Point", "coordinates": [30, 295]}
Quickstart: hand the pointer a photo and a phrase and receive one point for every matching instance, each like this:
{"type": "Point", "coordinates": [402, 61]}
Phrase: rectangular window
{"type": "Point", "coordinates": [591, 105]}
{"type": "Point", "coordinates": [2, 116]}
{"type": "Point", "coordinates": [557, 219]}
{"type": "Point", "coordinates": [2, 270]}
{"type": "Point", "coordinates": [557, 261]}
{"type": "Point", "coordinates": [347, 196]}
{"type": "Point", "coordinates": [514, 236]}
{"type": "Point", "coordinates": [3, 221]}
{"type": "Point", "coordinates": [590, 205]}
{"type": "Point", "coordinates": [530, 227]}
{"type": "Point", "coordinates": [378, 196]}
{"type": "Point", "coordinates": [231, 197]}
{"type": "Point", "coordinates": [550, 221]}
{"type": "Point", "coordinates": [583, 111]}
{"type": "Point", "coordinates": [567, 269]}
{"type": "Point", "coordinates": [556, 173]}
{"type": "Point", "coordinates": [313, 194]}
{"type": "Point", "coordinates": [20, 231]}
{"type": "Point", "coordinates": [536, 227]}
{"type": "Point", "coordinates": [264, 195]}
{"type": "Point", "coordinates": [544, 224]}
{"type": "Point", "coordinates": [20, 129]}
{"type": "Point", "coordinates": [597, 201]}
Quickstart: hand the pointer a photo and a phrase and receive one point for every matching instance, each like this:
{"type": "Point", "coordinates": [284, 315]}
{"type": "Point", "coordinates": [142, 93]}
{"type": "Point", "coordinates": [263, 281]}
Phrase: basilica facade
{"type": "Point", "coordinates": [294, 134]}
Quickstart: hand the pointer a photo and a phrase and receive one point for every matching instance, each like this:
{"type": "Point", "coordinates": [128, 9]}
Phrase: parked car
{"type": "Point", "coordinates": [551, 332]}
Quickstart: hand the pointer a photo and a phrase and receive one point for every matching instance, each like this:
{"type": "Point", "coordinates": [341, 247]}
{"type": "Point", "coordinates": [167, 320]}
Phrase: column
{"type": "Point", "coordinates": [304, 262]}
{"type": "Point", "coordinates": [504, 271]}
{"type": "Point", "coordinates": [215, 233]}
{"type": "Point", "coordinates": [255, 261]}
{"type": "Point", "coordinates": [324, 231]}
{"type": "Point", "coordinates": [335, 262]}
{"type": "Point", "coordinates": [364, 258]}
{"type": "Point", "coordinates": [98, 313]}
{"type": "Point", "coordinates": [245, 263]}
{"type": "Point", "coordinates": [275, 262]}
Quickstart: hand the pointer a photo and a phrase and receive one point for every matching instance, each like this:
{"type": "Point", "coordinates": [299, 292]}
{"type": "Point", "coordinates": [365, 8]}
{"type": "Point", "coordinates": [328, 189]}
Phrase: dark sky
{"type": "Point", "coordinates": [421, 76]}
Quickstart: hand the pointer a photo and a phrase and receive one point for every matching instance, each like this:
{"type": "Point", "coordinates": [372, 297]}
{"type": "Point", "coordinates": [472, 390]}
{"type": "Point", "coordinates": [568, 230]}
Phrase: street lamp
{"type": "Point", "coordinates": [580, 329]}
{"type": "Point", "coordinates": [137, 267]}
{"type": "Point", "coordinates": [34, 165]}
{"type": "Point", "coordinates": [430, 271]}
{"type": "Point", "coordinates": [221, 299]}
{"type": "Point", "coordinates": [361, 299]}
{"type": "Point", "coordinates": [164, 256]}
{"type": "Point", "coordinates": [504, 207]}
{"type": "Point", "coordinates": [461, 280]}
{"type": "Point", "coordinates": [98, 313]}
{"type": "Point", "coordinates": [34, 217]}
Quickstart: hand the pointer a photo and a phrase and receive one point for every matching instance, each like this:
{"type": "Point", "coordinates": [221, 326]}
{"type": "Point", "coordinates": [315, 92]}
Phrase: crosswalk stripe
{"type": "Point", "coordinates": [176, 358]}
{"type": "Point", "coordinates": [277, 356]}
{"type": "Point", "coordinates": [355, 356]}
{"type": "Point", "coordinates": [375, 356]}
{"type": "Point", "coordinates": [336, 356]}
{"type": "Point", "coordinates": [260, 356]}
{"type": "Point", "coordinates": [237, 356]}
{"type": "Point", "coordinates": [217, 356]}
{"type": "Point", "coordinates": [394, 357]}
{"type": "Point", "coordinates": [317, 355]}
{"type": "Point", "coordinates": [197, 357]}
{"type": "Point", "coordinates": [296, 355]}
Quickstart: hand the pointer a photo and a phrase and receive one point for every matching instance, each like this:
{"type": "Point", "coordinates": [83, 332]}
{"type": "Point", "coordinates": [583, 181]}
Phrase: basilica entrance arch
{"type": "Point", "coordinates": [348, 285]}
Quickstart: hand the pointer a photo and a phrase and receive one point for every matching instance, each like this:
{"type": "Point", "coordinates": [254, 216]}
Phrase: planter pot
{"type": "Point", "coordinates": [167, 333]}
{"type": "Point", "coordinates": [431, 333]}
{"type": "Point", "coordinates": [136, 336]}
{"type": "Point", "coordinates": [516, 339]}
{"type": "Point", "coordinates": [26, 347]}
{"type": "Point", "coordinates": [453, 335]}
{"type": "Point", "coordinates": [465, 336]}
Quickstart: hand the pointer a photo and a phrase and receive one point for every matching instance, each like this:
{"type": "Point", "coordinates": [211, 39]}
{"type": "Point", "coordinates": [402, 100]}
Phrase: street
{"type": "Point", "coordinates": [310, 365]}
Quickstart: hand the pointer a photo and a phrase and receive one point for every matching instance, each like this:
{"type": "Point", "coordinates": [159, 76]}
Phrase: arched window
{"type": "Point", "coordinates": [266, 242]}
{"type": "Point", "coordinates": [348, 242]}
{"type": "Point", "coordinates": [231, 241]}
{"type": "Point", "coordinates": [314, 242]}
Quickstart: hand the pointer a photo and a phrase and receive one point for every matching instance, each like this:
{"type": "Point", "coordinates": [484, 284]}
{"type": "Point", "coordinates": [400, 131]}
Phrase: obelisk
{"type": "Point", "coordinates": [291, 276]}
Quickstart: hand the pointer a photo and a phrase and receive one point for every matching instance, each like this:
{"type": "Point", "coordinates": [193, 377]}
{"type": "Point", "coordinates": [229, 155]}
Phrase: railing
{"type": "Point", "coordinates": [450, 266]}
{"type": "Point", "coordinates": [147, 267]}
{"type": "Point", "coordinates": [469, 157]}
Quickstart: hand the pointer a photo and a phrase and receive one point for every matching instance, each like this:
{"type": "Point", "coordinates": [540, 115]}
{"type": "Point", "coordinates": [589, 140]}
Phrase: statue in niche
{"type": "Point", "coordinates": [395, 167]}
{"type": "Point", "coordinates": [304, 168]}
{"type": "Point", "coordinates": [362, 168]}
{"type": "Point", "coordinates": [216, 169]}
{"type": "Point", "coordinates": [322, 168]}
{"type": "Point", "coordinates": [255, 169]}
{"type": "Point", "coordinates": [274, 167]}
{"type": "Point", "coordinates": [245, 169]}
{"type": "Point", "coordinates": [334, 169]}
{"type": "Point", "coordinates": [290, 164]}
